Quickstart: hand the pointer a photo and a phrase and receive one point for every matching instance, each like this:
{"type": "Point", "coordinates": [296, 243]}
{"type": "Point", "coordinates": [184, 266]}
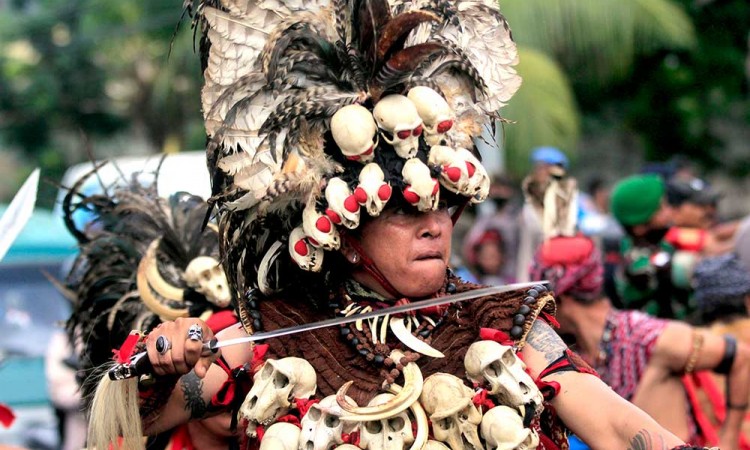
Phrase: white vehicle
{"type": "Point", "coordinates": [185, 171]}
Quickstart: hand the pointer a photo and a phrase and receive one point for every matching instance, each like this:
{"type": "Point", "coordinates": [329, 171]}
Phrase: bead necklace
{"type": "Point", "coordinates": [605, 343]}
{"type": "Point", "coordinates": [369, 337]}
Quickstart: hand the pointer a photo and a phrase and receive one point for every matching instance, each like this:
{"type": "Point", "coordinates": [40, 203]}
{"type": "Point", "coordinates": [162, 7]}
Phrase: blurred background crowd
{"type": "Point", "coordinates": [612, 88]}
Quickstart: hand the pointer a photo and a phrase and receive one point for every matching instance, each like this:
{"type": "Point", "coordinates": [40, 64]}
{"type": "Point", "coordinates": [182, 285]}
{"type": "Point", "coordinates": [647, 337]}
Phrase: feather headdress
{"type": "Point", "coordinates": [319, 112]}
{"type": "Point", "coordinates": [134, 267]}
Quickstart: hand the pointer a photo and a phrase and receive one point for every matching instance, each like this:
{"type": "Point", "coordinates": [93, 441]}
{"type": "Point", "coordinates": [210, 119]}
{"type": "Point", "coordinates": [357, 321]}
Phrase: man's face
{"type": "Point", "coordinates": [691, 215]}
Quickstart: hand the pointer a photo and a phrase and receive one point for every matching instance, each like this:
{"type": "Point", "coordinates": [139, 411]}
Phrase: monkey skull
{"type": "Point", "coordinates": [373, 192]}
{"type": "Point", "coordinates": [307, 256]}
{"type": "Point", "coordinates": [435, 112]}
{"type": "Point", "coordinates": [499, 367]}
{"type": "Point", "coordinates": [455, 419]}
{"type": "Point", "coordinates": [422, 190]}
{"type": "Point", "coordinates": [205, 275]}
{"type": "Point", "coordinates": [399, 124]}
{"type": "Point", "coordinates": [275, 386]}
{"type": "Point", "coordinates": [355, 132]}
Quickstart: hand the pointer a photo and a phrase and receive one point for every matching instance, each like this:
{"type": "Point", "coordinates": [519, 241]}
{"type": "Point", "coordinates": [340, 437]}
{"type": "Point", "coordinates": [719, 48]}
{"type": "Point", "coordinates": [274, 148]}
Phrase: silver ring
{"type": "Point", "coordinates": [195, 333]}
{"type": "Point", "coordinates": [163, 345]}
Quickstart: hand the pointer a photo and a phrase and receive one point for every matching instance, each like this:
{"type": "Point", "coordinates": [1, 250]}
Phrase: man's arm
{"type": "Point", "coordinates": [191, 397]}
{"type": "Point", "coordinates": [675, 349]}
{"type": "Point", "coordinates": [599, 416]}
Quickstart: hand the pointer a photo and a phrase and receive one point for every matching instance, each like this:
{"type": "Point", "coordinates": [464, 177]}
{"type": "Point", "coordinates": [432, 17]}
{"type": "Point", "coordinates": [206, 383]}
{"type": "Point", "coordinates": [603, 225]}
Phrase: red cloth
{"type": "Point", "coordinates": [6, 415]}
{"type": "Point", "coordinates": [181, 439]}
{"type": "Point", "coordinates": [688, 239]}
{"type": "Point", "coordinates": [221, 320]}
{"type": "Point", "coordinates": [126, 349]}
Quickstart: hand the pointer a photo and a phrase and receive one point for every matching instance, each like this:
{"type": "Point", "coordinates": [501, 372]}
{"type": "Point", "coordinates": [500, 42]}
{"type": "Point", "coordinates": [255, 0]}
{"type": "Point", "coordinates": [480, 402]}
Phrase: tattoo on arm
{"type": "Point", "coordinates": [644, 440]}
{"type": "Point", "coordinates": [192, 389]}
{"type": "Point", "coordinates": [543, 339]}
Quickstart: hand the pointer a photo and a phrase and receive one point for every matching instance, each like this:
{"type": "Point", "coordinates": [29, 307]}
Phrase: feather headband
{"type": "Point", "coordinates": [319, 112]}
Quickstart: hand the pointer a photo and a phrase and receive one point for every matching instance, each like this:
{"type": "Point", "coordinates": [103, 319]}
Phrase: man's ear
{"type": "Point", "coordinates": [349, 252]}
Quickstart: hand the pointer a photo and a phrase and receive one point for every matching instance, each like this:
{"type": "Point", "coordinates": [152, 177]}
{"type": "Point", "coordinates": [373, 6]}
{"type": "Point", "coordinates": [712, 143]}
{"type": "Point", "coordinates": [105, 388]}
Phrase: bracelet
{"type": "Point", "coordinates": [694, 353]}
{"type": "Point", "coordinates": [741, 407]}
{"type": "Point", "coordinates": [730, 351]}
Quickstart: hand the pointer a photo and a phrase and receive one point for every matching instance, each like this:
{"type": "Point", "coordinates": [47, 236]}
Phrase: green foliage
{"type": "Point", "coordinates": [544, 110]}
{"type": "Point", "coordinates": [597, 41]}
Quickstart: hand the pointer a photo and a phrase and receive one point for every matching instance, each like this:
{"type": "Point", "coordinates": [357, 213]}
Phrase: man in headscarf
{"type": "Point", "coordinates": [644, 359]}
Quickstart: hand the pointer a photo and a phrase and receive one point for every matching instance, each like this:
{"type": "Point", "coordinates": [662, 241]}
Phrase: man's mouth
{"type": "Point", "coordinates": [430, 255]}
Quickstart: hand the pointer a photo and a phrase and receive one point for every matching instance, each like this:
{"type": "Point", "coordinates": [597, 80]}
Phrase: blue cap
{"type": "Point", "coordinates": [549, 155]}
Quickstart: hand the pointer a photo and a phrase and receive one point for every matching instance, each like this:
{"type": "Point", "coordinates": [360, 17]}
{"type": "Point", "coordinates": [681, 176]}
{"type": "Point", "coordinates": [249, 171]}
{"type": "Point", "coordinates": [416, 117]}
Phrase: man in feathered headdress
{"type": "Point", "coordinates": [341, 151]}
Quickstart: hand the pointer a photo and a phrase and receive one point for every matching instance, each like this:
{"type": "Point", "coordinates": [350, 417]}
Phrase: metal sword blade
{"type": "Point", "coordinates": [445, 300]}
{"type": "Point", "coordinates": [18, 212]}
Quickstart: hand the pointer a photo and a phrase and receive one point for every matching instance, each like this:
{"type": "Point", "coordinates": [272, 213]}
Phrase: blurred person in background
{"type": "Point", "coordinates": [641, 357]}
{"type": "Point", "coordinates": [485, 258]}
{"type": "Point", "coordinates": [722, 295]}
{"type": "Point", "coordinates": [61, 365]}
{"type": "Point", "coordinates": [545, 160]}
{"type": "Point", "coordinates": [596, 221]}
{"type": "Point", "coordinates": [654, 276]}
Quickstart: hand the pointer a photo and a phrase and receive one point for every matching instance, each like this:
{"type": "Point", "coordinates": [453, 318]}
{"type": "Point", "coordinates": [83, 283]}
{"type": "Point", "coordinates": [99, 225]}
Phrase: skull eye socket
{"type": "Point", "coordinates": [495, 369]}
{"type": "Point", "coordinates": [445, 424]}
{"type": "Point", "coordinates": [314, 414]}
{"type": "Point", "coordinates": [280, 381]}
{"type": "Point", "coordinates": [508, 358]}
{"type": "Point", "coordinates": [206, 275]}
{"type": "Point", "coordinates": [373, 427]}
{"type": "Point", "coordinates": [418, 131]}
{"type": "Point", "coordinates": [404, 134]}
{"type": "Point", "coordinates": [387, 134]}
{"type": "Point", "coordinates": [332, 421]}
{"type": "Point", "coordinates": [266, 372]}
{"type": "Point", "coordinates": [396, 423]}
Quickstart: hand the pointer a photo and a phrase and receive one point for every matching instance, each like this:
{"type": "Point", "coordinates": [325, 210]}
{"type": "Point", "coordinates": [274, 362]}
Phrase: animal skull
{"type": "Point", "coordinates": [435, 445]}
{"type": "Point", "coordinates": [497, 365]}
{"type": "Point", "coordinates": [319, 229]}
{"type": "Point", "coordinates": [343, 206]}
{"type": "Point", "coordinates": [435, 112]}
{"type": "Point", "coordinates": [390, 433]}
{"type": "Point", "coordinates": [355, 132]}
{"type": "Point", "coordinates": [275, 386]}
{"type": "Point", "coordinates": [399, 124]}
{"type": "Point", "coordinates": [422, 191]}
{"type": "Point", "coordinates": [321, 426]}
{"type": "Point", "coordinates": [454, 170]}
{"type": "Point", "coordinates": [502, 429]}
{"type": "Point", "coordinates": [307, 256]}
{"type": "Point", "coordinates": [280, 436]}
{"type": "Point", "coordinates": [479, 181]}
{"type": "Point", "coordinates": [205, 275]}
{"type": "Point", "coordinates": [373, 189]}
{"type": "Point", "coordinates": [453, 415]}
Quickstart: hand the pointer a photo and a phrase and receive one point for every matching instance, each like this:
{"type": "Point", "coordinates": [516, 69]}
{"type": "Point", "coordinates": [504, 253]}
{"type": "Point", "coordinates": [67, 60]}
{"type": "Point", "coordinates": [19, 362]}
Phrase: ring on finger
{"type": "Point", "coordinates": [195, 333]}
{"type": "Point", "coordinates": [163, 345]}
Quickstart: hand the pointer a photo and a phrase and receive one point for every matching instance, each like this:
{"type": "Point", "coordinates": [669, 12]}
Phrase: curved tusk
{"type": "Point", "coordinates": [413, 383]}
{"type": "Point", "coordinates": [411, 341]}
{"type": "Point", "coordinates": [144, 290]}
{"type": "Point", "coordinates": [423, 425]}
{"type": "Point", "coordinates": [158, 284]}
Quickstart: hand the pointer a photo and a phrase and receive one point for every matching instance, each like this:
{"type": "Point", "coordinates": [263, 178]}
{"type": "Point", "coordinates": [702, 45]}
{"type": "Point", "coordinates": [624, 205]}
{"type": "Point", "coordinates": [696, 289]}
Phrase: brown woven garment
{"type": "Point", "coordinates": [336, 362]}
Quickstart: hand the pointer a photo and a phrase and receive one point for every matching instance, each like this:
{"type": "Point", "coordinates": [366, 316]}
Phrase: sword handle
{"type": "Point", "coordinates": [139, 364]}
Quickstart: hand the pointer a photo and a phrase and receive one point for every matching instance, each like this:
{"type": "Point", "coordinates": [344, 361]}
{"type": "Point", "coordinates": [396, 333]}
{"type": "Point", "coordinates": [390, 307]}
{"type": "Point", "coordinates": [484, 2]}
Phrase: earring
{"type": "Point", "coordinates": [354, 259]}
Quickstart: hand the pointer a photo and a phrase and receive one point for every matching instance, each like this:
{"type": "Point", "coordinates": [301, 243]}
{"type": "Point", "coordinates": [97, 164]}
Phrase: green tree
{"type": "Point", "coordinates": [588, 45]}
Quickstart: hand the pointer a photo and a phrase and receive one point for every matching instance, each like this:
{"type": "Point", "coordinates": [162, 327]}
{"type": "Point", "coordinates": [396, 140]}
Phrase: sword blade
{"type": "Point", "coordinates": [438, 301]}
{"type": "Point", "coordinates": [18, 213]}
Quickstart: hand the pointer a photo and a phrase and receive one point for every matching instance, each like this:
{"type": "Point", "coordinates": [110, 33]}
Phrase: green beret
{"type": "Point", "coordinates": [635, 199]}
